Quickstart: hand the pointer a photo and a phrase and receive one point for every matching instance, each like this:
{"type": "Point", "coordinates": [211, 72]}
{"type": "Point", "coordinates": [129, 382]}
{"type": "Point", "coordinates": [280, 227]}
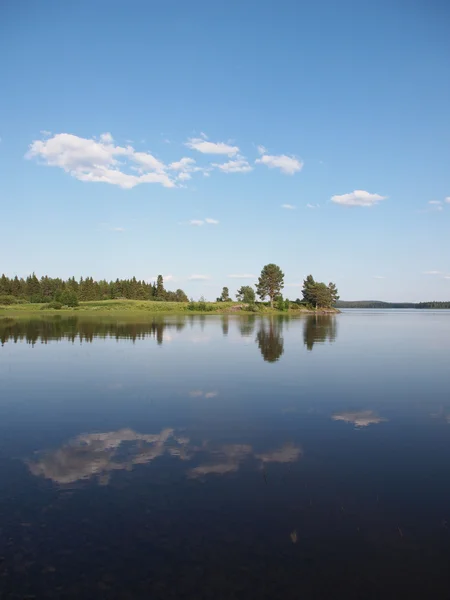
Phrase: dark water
{"type": "Point", "coordinates": [219, 458]}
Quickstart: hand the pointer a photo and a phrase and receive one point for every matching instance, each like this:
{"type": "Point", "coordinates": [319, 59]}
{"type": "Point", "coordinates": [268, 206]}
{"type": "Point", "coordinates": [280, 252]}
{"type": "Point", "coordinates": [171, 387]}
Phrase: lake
{"type": "Point", "coordinates": [222, 457]}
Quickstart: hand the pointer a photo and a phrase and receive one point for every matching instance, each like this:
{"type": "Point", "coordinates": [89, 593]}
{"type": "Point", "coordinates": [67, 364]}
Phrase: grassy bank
{"type": "Point", "coordinates": [143, 307]}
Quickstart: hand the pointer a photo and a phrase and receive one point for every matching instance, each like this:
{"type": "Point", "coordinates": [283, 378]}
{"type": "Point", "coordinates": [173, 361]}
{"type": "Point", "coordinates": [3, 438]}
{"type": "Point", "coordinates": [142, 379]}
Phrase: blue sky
{"type": "Point", "coordinates": [202, 140]}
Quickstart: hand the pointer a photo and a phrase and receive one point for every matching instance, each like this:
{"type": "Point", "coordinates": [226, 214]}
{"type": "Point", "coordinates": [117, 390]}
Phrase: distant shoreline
{"type": "Point", "coordinates": [380, 304]}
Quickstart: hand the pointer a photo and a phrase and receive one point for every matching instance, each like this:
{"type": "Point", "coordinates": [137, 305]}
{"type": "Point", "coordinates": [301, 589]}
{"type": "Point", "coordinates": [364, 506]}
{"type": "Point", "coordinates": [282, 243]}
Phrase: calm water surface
{"type": "Point", "coordinates": [219, 458]}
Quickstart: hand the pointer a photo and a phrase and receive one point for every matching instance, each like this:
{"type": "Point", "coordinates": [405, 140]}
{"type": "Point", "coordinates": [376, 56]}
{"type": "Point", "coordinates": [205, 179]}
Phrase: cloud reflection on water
{"type": "Point", "coordinates": [361, 418]}
{"type": "Point", "coordinates": [99, 454]}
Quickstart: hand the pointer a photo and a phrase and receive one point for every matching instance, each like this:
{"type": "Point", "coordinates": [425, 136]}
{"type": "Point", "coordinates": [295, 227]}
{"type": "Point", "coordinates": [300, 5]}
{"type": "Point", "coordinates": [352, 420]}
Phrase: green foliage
{"type": "Point", "coordinates": [68, 298]}
{"type": "Point", "coordinates": [287, 304]}
{"type": "Point", "coordinates": [7, 300]}
{"type": "Point", "coordinates": [252, 307]}
{"type": "Point", "coordinates": [53, 305]}
{"type": "Point", "coordinates": [246, 294]}
{"type": "Point", "coordinates": [270, 282]}
{"type": "Point", "coordinates": [280, 302]}
{"type": "Point", "coordinates": [319, 294]}
{"type": "Point", "coordinates": [87, 289]}
{"type": "Point", "coordinates": [225, 296]}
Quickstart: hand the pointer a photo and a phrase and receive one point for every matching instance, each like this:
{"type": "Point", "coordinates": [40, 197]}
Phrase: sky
{"type": "Point", "coordinates": [202, 140]}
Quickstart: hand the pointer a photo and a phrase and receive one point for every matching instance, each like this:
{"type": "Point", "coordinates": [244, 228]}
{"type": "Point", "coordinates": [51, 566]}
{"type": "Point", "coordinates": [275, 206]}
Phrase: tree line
{"type": "Point", "coordinates": [316, 294]}
{"type": "Point", "coordinates": [71, 291]}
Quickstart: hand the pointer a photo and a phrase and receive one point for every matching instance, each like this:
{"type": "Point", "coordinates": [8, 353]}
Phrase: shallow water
{"type": "Point", "coordinates": [226, 457]}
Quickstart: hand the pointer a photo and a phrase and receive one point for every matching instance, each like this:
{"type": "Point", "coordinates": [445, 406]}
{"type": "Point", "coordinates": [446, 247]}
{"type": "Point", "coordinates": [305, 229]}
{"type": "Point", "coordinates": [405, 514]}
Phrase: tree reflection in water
{"type": "Point", "coordinates": [319, 329]}
{"type": "Point", "coordinates": [269, 339]}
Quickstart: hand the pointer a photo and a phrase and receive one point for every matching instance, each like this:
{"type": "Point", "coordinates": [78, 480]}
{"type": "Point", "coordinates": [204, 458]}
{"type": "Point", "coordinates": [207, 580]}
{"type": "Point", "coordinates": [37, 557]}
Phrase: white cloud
{"type": "Point", "coordinates": [118, 229]}
{"type": "Point", "coordinates": [234, 166]}
{"type": "Point", "coordinates": [358, 198]}
{"type": "Point", "coordinates": [287, 164]}
{"type": "Point", "coordinates": [99, 161]}
{"type": "Point", "coordinates": [432, 272]}
{"type": "Point", "coordinates": [211, 221]}
{"type": "Point", "coordinates": [447, 200]}
{"type": "Point", "coordinates": [435, 202]}
{"type": "Point", "coordinates": [205, 147]}
{"type": "Point", "coordinates": [261, 149]}
{"type": "Point", "coordinates": [312, 206]}
{"type": "Point", "coordinates": [446, 277]}
{"type": "Point", "coordinates": [184, 164]}
{"type": "Point", "coordinates": [378, 277]}
{"type": "Point", "coordinates": [197, 277]}
{"type": "Point", "coordinates": [107, 138]}
{"type": "Point", "coordinates": [242, 276]}
{"type": "Point", "coordinates": [184, 176]}
{"type": "Point", "coordinates": [288, 206]}
{"type": "Point", "coordinates": [46, 133]}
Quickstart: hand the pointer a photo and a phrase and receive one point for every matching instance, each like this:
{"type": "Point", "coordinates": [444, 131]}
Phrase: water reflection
{"type": "Point", "coordinates": [247, 325]}
{"type": "Point", "coordinates": [97, 455]}
{"type": "Point", "coordinates": [319, 328]}
{"type": "Point", "coordinates": [83, 329]}
{"type": "Point", "coordinates": [270, 340]}
{"type": "Point", "coordinates": [361, 418]}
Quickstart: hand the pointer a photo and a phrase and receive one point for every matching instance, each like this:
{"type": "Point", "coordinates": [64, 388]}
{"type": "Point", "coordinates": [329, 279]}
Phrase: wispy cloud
{"type": "Point", "coordinates": [240, 165]}
{"type": "Point", "coordinates": [312, 206]}
{"type": "Point", "coordinates": [241, 276]}
{"type": "Point", "coordinates": [378, 277]}
{"type": "Point", "coordinates": [197, 277]}
{"type": "Point", "coordinates": [261, 149]}
{"type": "Point", "coordinates": [432, 272]}
{"type": "Point", "coordinates": [288, 206]}
{"type": "Point", "coordinates": [200, 222]}
{"type": "Point", "coordinates": [358, 198]}
{"type": "Point", "coordinates": [436, 205]}
{"type": "Point", "coordinates": [447, 200]}
{"type": "Point", "coordinates": [204, 146]}
{"type": "Point", "coordinates": [287, 164]}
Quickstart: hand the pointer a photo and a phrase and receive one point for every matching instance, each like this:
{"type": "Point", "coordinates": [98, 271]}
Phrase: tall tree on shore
{"type": "Point", "coordinates": [270, 282]}
{"type": "Point", "coordinates": [225, 296]}
{"type": "Point", "coordinates": [308, 289]}
{"type": "Point", "coordinates": [160, 291]}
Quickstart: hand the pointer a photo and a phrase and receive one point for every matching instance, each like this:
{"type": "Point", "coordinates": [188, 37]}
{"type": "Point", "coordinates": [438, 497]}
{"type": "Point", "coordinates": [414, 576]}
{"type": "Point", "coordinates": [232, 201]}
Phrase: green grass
{"type": "Point", "coordinates": [141, 308]}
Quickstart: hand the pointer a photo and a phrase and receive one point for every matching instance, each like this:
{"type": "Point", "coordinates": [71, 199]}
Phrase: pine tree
{"type": "Point", "coordinates": [270, 282]}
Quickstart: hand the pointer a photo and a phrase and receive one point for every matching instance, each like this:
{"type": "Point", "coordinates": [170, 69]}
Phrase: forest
{"type": "Point", "coordinates": [71, 291]}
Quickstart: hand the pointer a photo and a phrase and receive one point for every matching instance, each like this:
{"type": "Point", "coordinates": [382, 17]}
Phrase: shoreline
{"type": "Point", "coordinates": [140, 308]}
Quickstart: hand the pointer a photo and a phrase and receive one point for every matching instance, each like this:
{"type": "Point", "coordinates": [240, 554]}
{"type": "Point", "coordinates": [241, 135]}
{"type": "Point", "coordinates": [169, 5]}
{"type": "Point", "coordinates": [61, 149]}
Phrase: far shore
{"type": "Point", "coordinates": [151, 308]}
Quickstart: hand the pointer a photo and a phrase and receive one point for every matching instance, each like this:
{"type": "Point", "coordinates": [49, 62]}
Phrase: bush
{"type": "Point", "coordinates": [6, 300]}
{"type": "Point", "coordinates": [53, 305]}
{"type": "Point", "coordinates": [280, 303]}
{"type": "Point", "coordinates": [252, 307]}
{"type": "Point", "coordinates": [69, 299]}
{"type": "Point", "coordinates": [201, 306]}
